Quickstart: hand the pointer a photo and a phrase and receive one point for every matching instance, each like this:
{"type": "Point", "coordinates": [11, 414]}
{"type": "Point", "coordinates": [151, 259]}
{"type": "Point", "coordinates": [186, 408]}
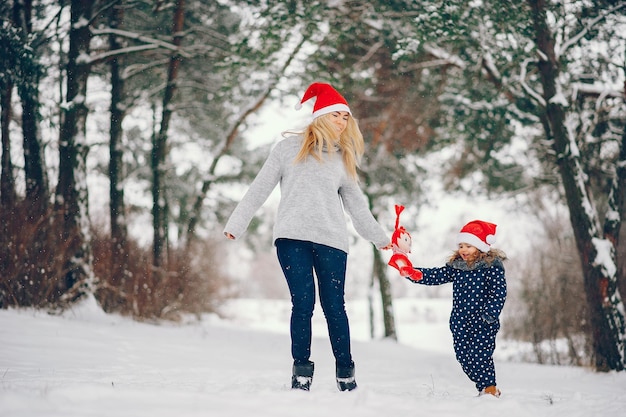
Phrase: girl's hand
{"type": "Point", "coordinates": [386, 247]}
{"type": "Point", "coordinates": [228, 235]}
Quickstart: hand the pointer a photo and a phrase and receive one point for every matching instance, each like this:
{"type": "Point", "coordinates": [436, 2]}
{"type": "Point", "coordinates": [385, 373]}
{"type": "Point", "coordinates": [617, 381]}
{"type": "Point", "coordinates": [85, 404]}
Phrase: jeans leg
{"type": "Point", "coordinates": [296, 260]}
{"type": "Point", "coordinates": [330, 268]}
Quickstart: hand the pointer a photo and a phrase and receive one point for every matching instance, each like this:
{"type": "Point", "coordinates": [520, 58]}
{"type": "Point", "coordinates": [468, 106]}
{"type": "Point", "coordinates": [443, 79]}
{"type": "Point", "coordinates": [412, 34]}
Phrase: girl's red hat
{"type": "Point", "coordinates": [478, 233]}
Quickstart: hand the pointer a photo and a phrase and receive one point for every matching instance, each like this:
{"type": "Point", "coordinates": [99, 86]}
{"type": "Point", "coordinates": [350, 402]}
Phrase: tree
{"type": "Point", "coordinates": [618, 199]}
{"type": "Point", "coordinates": [159, 146]}
{"type": "Point", "coordinates": [117, 210]}
{"type": "Point", "coordinates": [22, 69]}
{"type": "Point", "coordinates": [34, 169]}
{"type": "Point", "coordinates": [71, 202]}
{"type": "Point", "coordinates": [532, 77]}
{"type": "Point", "coordinates": [596, 250]}
{"type": "Point", "coordinates": [8, 195]}
{"type": "Point", "coordinates": [33, 255]}
{"type": "Point", "coordinates": [194, 104]}
{"type": "Point", "coordinates": [10, 42]}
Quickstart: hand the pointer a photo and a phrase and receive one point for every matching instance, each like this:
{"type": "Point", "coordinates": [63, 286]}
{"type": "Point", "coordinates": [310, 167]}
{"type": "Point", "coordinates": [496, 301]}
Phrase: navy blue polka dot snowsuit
{"type": "Point", "coordinates": [478, 296]}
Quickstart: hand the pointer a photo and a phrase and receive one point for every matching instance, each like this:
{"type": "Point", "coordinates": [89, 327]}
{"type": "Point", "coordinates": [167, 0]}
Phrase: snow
{"type": "Point", "coordinates": [605, 255]}
{"type": "Point", "coordinates": [86, 363]}
{"type": "Point", "coordinates": [559, 98]}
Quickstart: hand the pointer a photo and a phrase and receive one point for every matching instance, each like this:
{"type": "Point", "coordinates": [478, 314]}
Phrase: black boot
{"type": "Point", "coordinates": [345, 378]}
{"type": "Point", "coordinates": [302, 376]}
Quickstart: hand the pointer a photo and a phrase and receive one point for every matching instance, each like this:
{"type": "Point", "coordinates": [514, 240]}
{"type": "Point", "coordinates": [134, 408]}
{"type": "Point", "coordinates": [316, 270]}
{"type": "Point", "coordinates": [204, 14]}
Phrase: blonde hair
{"type": "Point", "coordinates": [320, 136]}
{"type": "Point", "coordinates": [488, 257]}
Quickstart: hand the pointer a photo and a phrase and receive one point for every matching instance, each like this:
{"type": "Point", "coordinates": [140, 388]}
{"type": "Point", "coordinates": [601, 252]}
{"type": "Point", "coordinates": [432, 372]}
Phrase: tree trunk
{"type": "Point", "coordinates": [619, 205]}
{"type": "Point", "coordinates": [159, 150]}
{"type": "Point", "coordinates": [604, 302]}
{"type": "Point", "coordinates": [370, 307]}
{"type": "Point", "coordinates": [385, 295]}
{"type": "Point", "coordinates": [34, 171]}
{"type": "Point", "coordinates": [8, 195]}
{"type": "Point", "coordinates": [112, 301]}
{"type": "Point", "coordinates": [71, 203]}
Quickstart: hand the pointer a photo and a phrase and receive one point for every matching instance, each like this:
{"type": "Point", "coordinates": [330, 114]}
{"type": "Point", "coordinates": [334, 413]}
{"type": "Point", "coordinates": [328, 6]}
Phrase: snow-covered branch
{"type": "Point", "coordinates": [444, 55]}
{"type": "Point", "coordinates": [595, 90]}
{"type": "Point", "coordinates": [425, 64]}
{"type": "Point", "coordinates": [441, 58]}
{"type": "Point", "coordinates": [122, 51]}
{"type": "Point", "coordinates": [142, 38]}
{"type": "Point", "coordinates": [490, 67]}
{"type": "Point", "coordinates": [573, 40]}
{"type": "Point", "coordinates": [134, 69]}
{"type": "Point", "coordinates": [532, 93]}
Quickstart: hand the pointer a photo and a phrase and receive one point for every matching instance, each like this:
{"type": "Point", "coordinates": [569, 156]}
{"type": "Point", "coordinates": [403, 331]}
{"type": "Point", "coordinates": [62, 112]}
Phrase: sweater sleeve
{"type": "Point", "coordinates": [365, 224]}
{"type": "Point", "coordinates": [260, 189]}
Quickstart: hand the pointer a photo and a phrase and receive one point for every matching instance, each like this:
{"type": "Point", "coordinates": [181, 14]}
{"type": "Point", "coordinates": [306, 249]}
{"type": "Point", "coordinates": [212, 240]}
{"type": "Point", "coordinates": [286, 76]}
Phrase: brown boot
{"type": "Point", "coordinates": [491, 389]}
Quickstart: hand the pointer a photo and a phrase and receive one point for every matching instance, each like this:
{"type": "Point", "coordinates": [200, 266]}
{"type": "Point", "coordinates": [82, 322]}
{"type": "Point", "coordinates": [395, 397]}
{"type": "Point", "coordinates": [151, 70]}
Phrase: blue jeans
{"type": "Point", "coordinates": [298, 260]}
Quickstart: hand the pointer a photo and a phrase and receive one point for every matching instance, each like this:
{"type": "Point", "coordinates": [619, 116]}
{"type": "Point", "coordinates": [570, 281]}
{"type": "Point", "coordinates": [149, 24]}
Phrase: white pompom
{"type": "Point", "coordinates": [491, 239]}
{"type": "Point", "coordinates": [298, 106]}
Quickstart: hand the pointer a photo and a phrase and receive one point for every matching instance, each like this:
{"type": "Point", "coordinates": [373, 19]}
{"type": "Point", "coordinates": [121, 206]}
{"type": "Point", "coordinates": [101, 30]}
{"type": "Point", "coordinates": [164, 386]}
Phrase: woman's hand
{"type": "Point", "coordinates": [228, 235]}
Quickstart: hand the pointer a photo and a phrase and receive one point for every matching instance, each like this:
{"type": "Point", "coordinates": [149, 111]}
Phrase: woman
{"type": "Point", "coordinates": [317, 172]}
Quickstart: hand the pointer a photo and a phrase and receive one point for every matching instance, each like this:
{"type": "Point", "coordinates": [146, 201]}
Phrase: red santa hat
{"type": "Point", "coordinates": [327, 100]}
{"type": "Point", "coordinates": [478, 233]}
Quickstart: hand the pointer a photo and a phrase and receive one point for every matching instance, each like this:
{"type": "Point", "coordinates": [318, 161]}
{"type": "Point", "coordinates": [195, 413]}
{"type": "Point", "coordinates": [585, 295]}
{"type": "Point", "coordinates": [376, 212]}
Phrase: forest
{"type": "Point", "coordinates": [153, 99]}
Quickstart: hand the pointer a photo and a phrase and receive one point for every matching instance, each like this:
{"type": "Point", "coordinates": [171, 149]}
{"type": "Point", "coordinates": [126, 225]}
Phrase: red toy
{"type": "Point", "coordinates": [401, 246]}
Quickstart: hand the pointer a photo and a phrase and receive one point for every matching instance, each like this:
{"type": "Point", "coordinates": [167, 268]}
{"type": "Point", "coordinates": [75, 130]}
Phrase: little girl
{"type": "Point", "coordinates": [479, 291]}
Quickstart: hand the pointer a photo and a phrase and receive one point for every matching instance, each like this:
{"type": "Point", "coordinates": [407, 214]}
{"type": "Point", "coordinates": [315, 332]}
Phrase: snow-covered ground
{"type": "Point", "coordinates": [86, 363]}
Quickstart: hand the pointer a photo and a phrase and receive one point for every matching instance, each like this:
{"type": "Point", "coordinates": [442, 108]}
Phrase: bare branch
{"type": "Point", "coordinates": [369, 53]}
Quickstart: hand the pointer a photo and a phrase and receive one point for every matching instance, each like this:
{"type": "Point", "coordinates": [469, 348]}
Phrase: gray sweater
{"type": "Point", "coordinates": [313, 196]}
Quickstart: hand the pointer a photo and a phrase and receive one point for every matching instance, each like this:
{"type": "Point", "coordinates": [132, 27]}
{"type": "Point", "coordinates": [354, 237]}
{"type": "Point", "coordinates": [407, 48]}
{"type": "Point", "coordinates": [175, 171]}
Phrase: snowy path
{"type": "Point", "coordinates": [85, 363]}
